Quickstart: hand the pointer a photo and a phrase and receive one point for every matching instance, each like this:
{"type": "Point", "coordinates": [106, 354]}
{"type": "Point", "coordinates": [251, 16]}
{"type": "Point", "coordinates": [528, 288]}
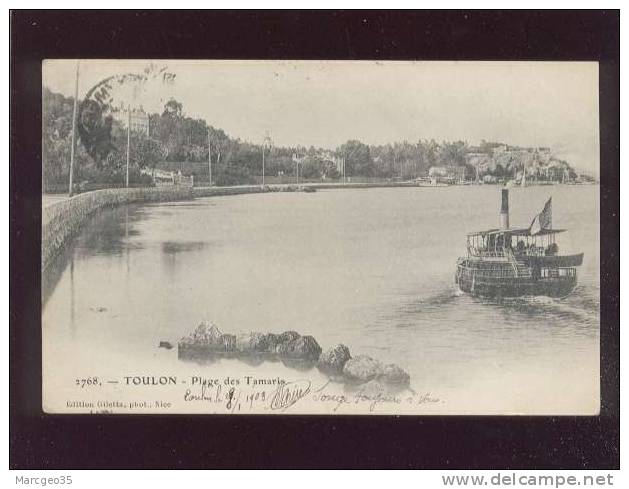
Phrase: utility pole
{"type": "Point", "coordinates": [74, 111]}
{"type": "Point", "coordinates": [209, 154]}
{"type": "Point", "coordinates": [128, 144]}
{"type": "Point", "coordinates": [344, 179]}
{"type": "Point", "coordinates": [267, 143]}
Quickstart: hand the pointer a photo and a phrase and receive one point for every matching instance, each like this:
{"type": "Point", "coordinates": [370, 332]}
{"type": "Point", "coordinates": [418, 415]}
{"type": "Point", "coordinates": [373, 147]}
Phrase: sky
{"type": "Point", "coordinates": [325, 103]}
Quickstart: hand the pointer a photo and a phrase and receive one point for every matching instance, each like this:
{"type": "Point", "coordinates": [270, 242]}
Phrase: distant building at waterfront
{"type": "Point", "coordinates": [447, 174]}
{"type": "Point", "coordinates": [139, 120]}
{"type": "Point", "coordinates": [521, 164]}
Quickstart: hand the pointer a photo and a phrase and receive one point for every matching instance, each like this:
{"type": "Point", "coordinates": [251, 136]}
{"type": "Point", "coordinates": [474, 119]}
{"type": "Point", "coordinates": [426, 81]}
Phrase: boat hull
{"type": "Point", "coordinates": [484, 286]}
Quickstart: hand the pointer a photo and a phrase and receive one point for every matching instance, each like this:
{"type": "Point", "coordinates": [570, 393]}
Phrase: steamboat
{"type": "Point", "coordinates": [513, 262]}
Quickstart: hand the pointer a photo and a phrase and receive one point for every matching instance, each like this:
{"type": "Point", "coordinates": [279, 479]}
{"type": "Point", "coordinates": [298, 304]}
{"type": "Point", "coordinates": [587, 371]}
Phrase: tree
{"type": "Point", "coordinates": [312, 167]}
{"type": "Point", "coordinates": [329, 169]}
{"type": "Point", "coordinates": [431, 149]}
{"type": "Point", "coordinates": [172, 108]}
{"type": "Point", "coordinates": [57, 140]}
{"type": "Point", "coordinates": [146, 152]}
{"type": "Point", "coordinates": [453, 154]}
{"type": "Point", "coordinates": [358, 161]}
{"type": "Point", "coordinates": [95, 121]}
{"type": "Point", "coordinates": [220, 144]}
{"type": "Point", "coordinates": [176, 137]}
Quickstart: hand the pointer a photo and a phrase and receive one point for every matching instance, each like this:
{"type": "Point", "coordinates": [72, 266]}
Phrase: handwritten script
{"type": "Point", "coordinates": [285, 396]}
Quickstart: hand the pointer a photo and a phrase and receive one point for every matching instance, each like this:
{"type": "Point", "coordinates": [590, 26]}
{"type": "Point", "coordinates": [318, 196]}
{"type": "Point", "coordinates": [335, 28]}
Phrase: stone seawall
{"type": "Point", "coordinates": [236, 190]}
{"type": "Point", "coordinates": [255, 189]}
{"type": "Point", "coordinates": [61, 220]}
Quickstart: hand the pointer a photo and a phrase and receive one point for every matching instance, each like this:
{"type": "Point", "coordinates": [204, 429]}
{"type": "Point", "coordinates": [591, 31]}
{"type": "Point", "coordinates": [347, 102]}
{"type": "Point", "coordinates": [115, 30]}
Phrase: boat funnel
{"type": "Point", "coordinates": [504, 209]}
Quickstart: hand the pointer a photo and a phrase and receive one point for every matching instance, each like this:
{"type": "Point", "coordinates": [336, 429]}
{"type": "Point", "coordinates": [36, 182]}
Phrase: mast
{"type": "Point", "coordinates": [267, 143]}
{"type": "Point", "coordinates": [344, 180]}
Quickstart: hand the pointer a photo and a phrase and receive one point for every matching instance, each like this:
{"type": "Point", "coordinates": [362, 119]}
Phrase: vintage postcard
{"type": "Point", "coordinates": [320, 237]}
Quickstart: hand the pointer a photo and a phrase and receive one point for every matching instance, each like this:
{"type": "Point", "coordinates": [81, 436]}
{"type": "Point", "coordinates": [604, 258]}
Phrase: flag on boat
{"type": "Point", "coordinates": [543, 220]}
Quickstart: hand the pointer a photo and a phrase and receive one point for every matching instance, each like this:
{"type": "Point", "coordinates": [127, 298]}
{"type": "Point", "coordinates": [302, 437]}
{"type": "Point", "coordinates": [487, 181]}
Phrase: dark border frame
{"type": "Point", "coordinates": [40, 441]}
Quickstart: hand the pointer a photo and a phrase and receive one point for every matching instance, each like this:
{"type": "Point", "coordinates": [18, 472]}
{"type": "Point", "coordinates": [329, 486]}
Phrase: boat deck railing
{"type": "Point", "coordinates": [487, 272]}
{"type": "Point", "coordinates": [558, 272]}
{"type": "Point", "coordinates": [545, 273]}
{"type": "Point", "coordinates": [531, 251]}
{"type": "Point", "coordinates": [473, 251]}
{"type": "Point", "coordinates": [505, 252]}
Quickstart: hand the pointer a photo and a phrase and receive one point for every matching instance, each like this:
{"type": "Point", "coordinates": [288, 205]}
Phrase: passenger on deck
{"type": "Point", "coordinates": [520, 247]}
{"type": "Point", "coordinates": [536, 273]}
{"type": "Point", "coordinates": [552, 249]}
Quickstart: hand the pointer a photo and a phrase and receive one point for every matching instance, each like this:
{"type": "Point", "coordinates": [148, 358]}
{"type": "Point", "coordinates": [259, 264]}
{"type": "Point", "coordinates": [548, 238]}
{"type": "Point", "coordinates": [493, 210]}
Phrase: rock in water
{"type": "Point", "coordinates": [334, 359]}
{"type": "Point", "coordinates": [253, 342]}
{"type": "Point", "coordinates": [296, 351]}
{"type": "Point", "coordinates": [204, 336]}
{"type": "Point", "coordinates": [207, 334]}
{"type": "Point", "coordinates": [165, 344]}
{"type": "Point", "coordinates": [287, 336]}
{"type": "Point", "coordinates": [304, 347]}
{"type": "Point", "coordinates": [229, 342]}
{"type": "Point", "coordinates": [362, 369]}
{"type": "Point", "coordinates": [393, 375]}
{"type": "Point", "coordinates": [270, 342]}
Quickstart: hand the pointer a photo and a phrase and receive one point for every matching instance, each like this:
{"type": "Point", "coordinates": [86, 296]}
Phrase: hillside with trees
{"type": "Point", "coordinates": [175, 137]}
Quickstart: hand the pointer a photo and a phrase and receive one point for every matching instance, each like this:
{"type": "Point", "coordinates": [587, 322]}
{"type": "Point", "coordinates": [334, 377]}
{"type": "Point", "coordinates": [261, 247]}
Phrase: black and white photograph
{"type": "Point", "coordinates": [327, 238]}
{"type": "Point", "coordinates": [320, 237]}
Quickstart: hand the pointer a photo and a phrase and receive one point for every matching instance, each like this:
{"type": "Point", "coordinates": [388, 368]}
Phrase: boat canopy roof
{"type": "Point", "coordinates": [516, 232]}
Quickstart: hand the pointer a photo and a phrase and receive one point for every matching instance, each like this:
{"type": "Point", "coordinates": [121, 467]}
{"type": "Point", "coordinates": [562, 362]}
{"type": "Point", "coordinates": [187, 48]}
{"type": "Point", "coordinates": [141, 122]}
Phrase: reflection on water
{"type": "Point", "coordinates": [255, 360]}
{"type": "Point", "coordinates": [172, 247]}
{"type": "Point", "coordinates": [72, 322]}
{"type": "Point", "coordinates": [373, 269]}
{"type": "Point", "coordinates": [106, 233]}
